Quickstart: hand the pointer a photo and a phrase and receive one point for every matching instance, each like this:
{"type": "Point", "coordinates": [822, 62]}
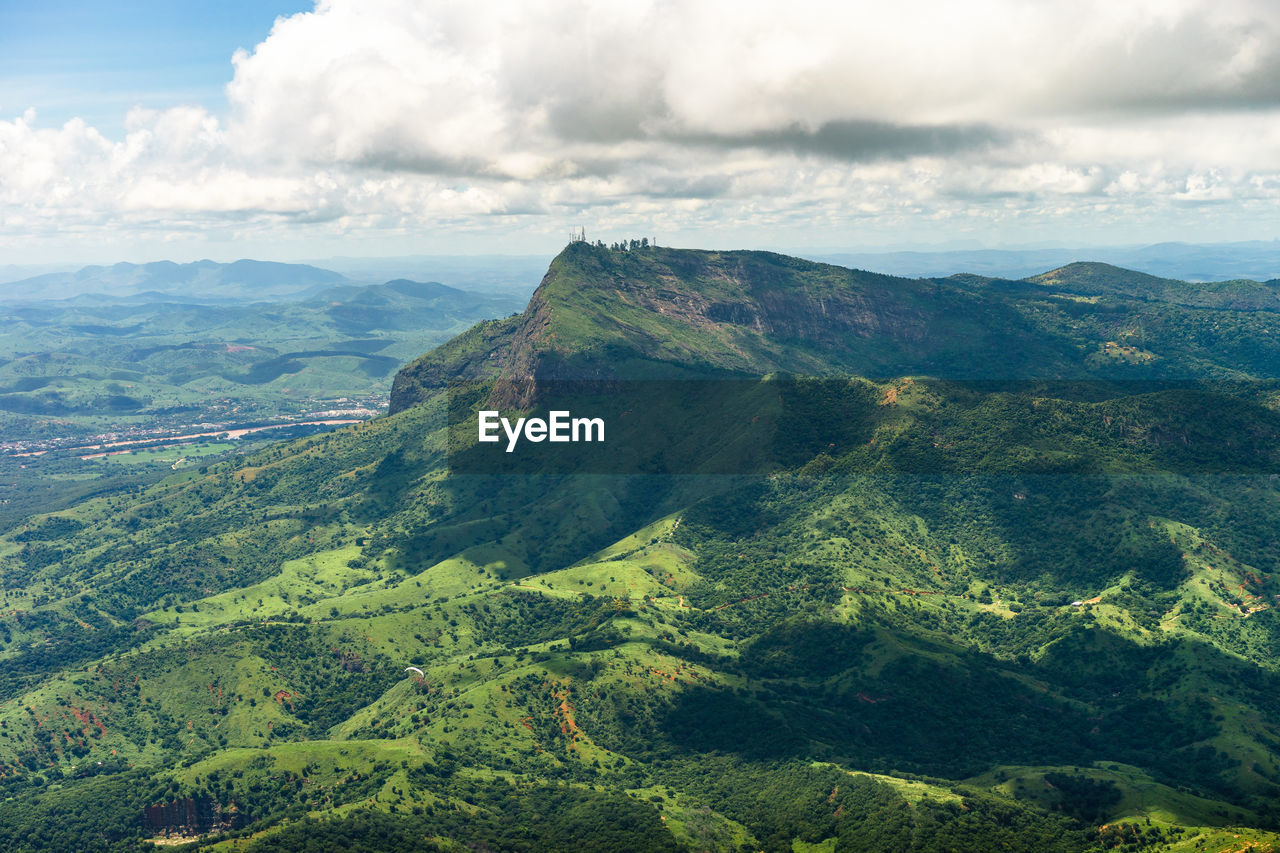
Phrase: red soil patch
{"type": "Point", "coordinates": [565, 711]}
{"type": "Point", "coordinates": [88, 720]}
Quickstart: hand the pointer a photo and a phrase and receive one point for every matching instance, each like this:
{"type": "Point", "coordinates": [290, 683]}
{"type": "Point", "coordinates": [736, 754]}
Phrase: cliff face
{"type": "Point", "coordinates": [477, 354]}
{"type": "Point", "coordinates": [668, 313]}
{"type": "Point", "coordinates": [189, 816]}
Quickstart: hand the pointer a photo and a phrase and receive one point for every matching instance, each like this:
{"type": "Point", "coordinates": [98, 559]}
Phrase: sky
{"type": "Point", "coordinates": [179, 129]}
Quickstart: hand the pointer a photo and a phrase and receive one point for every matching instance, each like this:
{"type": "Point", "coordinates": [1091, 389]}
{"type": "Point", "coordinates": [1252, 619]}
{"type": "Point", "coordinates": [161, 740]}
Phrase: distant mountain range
{"type": "Point", "coordinates": [200, 281]}
{"type": "Point", "coordinates": [1255, 259]}
{"type": "Point", "coordinates": [478, 273]}
{"type": "Point", "coordinates": [207, 282]}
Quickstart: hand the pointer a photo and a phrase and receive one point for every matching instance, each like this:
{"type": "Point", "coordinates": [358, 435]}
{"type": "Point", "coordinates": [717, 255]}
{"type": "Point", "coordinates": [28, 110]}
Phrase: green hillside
{"type": "Point", "coordinates": [1005, 579]}
{"type": "Point", "coordinates": [1098, 279]}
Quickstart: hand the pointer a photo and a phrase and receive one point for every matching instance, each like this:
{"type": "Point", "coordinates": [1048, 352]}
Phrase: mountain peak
{"type": "Point", "coordinates": [1098, 279]}
{"type": "Point", "coordinates": [657, 312]}
{"type": "Point", "coordinates": [422, 289]}
{"type": "Point", "coordinates": [1097, 276]}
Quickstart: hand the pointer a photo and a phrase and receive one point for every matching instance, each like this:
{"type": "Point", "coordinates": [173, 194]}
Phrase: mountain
{"type": "Point", "coordinates": [1093, 279]}
{"type": "Point", "coordinates": [672, 313]}
{"type": "Point", "coordinates": [204, 281]}
{"type": "Point", "coordinates": [1005, 579]}
{"type": "Point", "coordinates": [492, 274]}
{"type": "Point", "coordinates": [1199, 262]}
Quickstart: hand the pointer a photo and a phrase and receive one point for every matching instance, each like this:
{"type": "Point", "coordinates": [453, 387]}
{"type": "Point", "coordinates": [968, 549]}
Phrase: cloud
{"type": "Point", "coordinates": [401, 114]}
{"type": "Point", "coordinates": [861, 141]}
{"type": "Point", "coordinates": [525, 91]}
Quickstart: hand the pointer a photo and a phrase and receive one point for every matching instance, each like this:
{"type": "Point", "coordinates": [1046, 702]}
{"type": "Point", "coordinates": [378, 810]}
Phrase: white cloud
{"type": "Point", "coordinates": [368, 115]}
{"type": "Point", "coordinates": [499, 88]}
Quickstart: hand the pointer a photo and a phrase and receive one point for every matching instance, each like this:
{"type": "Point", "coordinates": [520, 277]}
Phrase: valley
{"type": "Point", "coordinates": [103, 391]}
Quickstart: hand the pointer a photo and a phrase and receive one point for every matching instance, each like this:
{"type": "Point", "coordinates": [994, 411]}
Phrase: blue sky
{"type": "Point", "coordinates": [97, 60]}
{"type": "Point", "coordinates": [145, 130]}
